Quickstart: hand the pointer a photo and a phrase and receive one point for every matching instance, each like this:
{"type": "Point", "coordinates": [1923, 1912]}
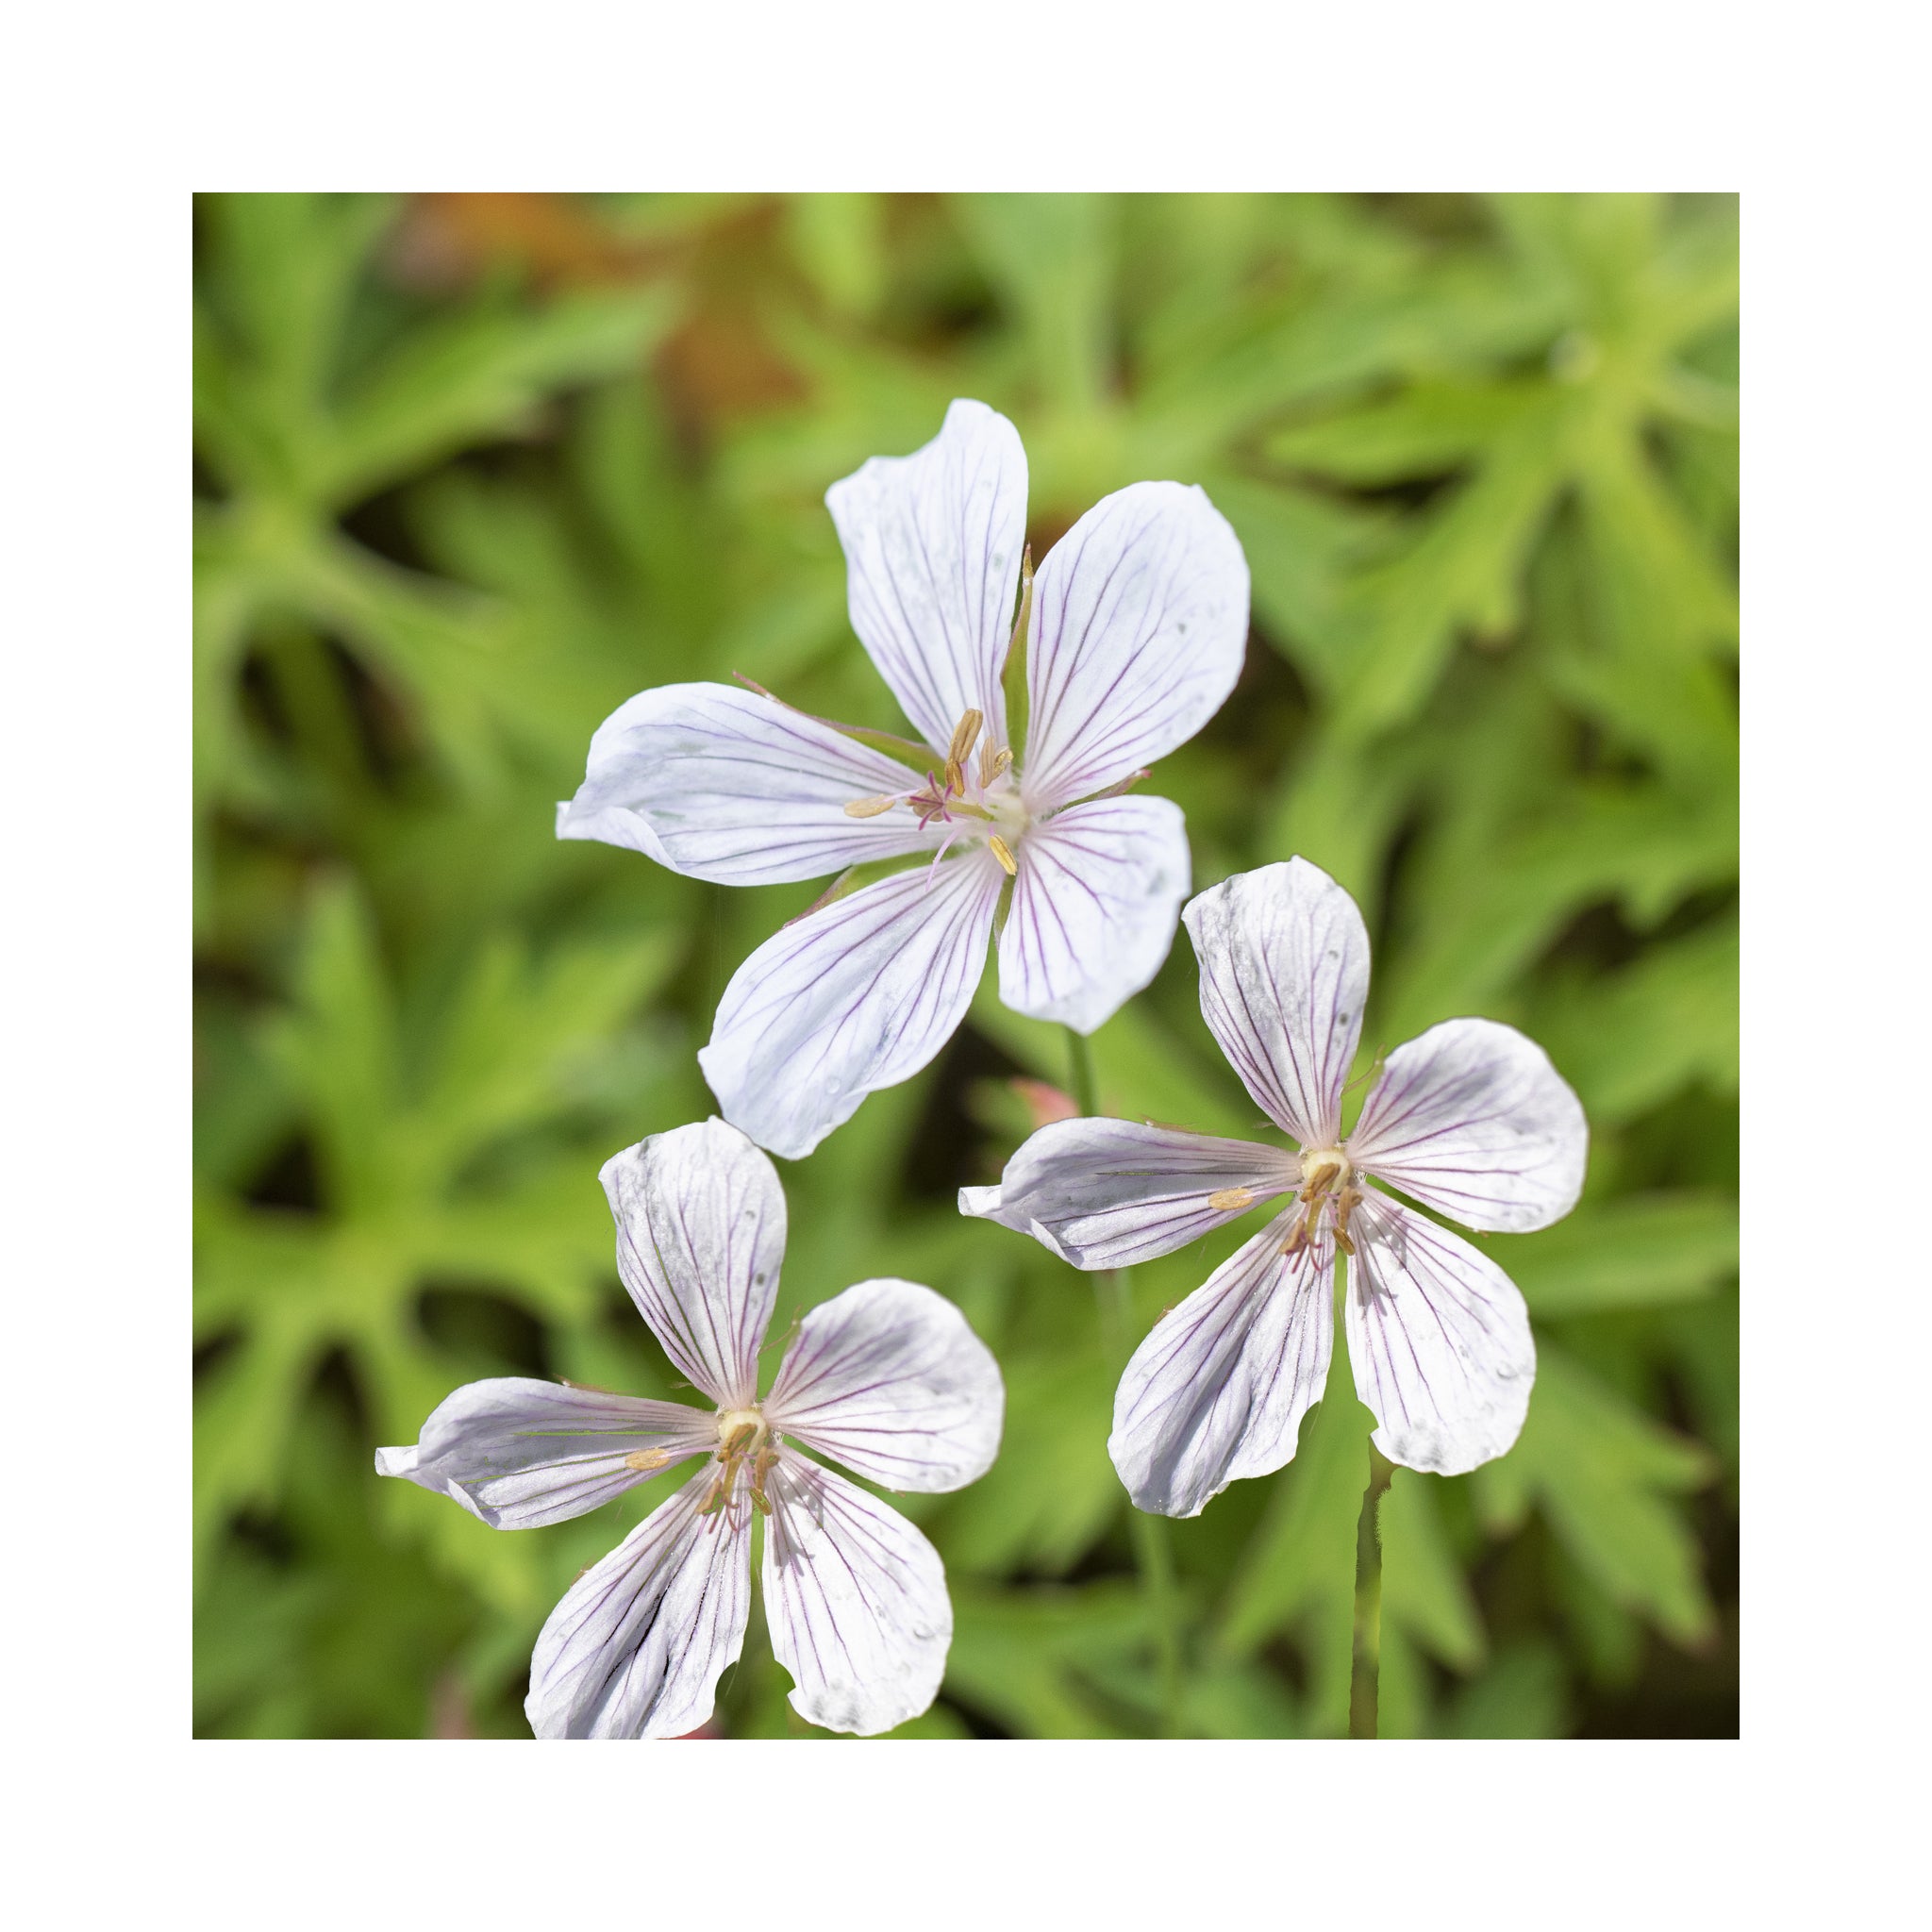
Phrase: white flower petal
{"type": "Point", "coordinates": [1471, 1118]}
{"type": "Point", "coordinates": [700, 1237]}
{"type": "Point", "coordinates": [724, 783]}
{"type": "Point", "coordinates": [1108, 1194]}
{"type": "Point", "coordinates": [1219, 1388]}
{"type": "Point", "coordinates": [1096, 903]}
{"type": "Point", "coordinates": [1439, 1339]}
{"type": "Point", "coordinates": [635, 1648]}
{"type": "Point", "coordinates": [932, 550]}
{"type": "Point", "coordinates": [858, 996]}
{"type": "Point", "coordinates": [519, 1453]}
{"type": "Point", "coordinates": [887, 1379]}
{"type": "Point", "coordinates": [1140, 622]}
{"type": "Point", "coordinates": [856, 1601]}
{"type": "Point", "coordinates": [1284, 971]}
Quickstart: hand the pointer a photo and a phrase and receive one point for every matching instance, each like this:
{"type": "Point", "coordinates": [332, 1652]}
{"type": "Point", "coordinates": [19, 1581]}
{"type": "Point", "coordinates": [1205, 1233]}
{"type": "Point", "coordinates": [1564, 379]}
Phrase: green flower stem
{"type": "Point", "coordinates": [1086, 1096]}
{"type": "Point", "coordinates": [1364, 1679]}
{"type": "Point", "coordinates": [1153, 1557]}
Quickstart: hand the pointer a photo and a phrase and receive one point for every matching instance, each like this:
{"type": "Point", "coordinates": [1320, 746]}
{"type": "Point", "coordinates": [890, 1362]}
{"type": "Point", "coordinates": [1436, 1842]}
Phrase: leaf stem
{"type": "Point", "coordinates": [1365, 1675]}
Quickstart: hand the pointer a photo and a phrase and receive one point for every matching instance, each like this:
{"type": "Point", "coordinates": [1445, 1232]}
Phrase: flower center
{"type": "Point", "coordinates": [1327, 1182]}
{"type": "Point", "coordinates": [744, 1446]}
{"type": "Point", "coordinates": [977, 795]}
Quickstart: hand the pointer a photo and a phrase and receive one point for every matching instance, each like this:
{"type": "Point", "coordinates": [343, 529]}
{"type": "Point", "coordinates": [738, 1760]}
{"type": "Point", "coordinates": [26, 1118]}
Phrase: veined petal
{"type": "Point", "coordinates": [1471, 1118]}
{"type": "Point", "coordinates": [932, 551]}
{"type": "Point", "coordinates": [700, 1237]}
{"type": "Point", "coordinates": [727, 785]}
{"type": "Point", "coordinates": [1219, 1388]}
{"type": "Point", "coordinates": [520, 1453]}
{"type": "Point", "coordinates": [1096, 903]}
{"type": "Point", "coordinates": [635, 1648]}
{"type": "Point", "coordinates": [1108, 1194]}
{"type": "Point", "coordinates": [856, 1601]}
{"type": "Point", "coordinates": [887, 1379]}
{"type": "Point", "coordinates": [855, 997]}
{"type": "Point", "coordinates": [1439, 1339]}
{"type": "Point", "coordinates": [1140, 622]}
{"type": "Point", "coordinates": [1284, 971]}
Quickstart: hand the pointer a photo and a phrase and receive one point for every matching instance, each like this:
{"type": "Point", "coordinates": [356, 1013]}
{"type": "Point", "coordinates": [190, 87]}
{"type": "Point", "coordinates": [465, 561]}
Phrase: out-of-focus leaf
{"type": "Point", "coordinates": [476, 377]}
{"type": "Point", "coordinates": [1602, 1473]}
{"type": "Point", "coordinates": [1300, 1568]}
{"type": "Point", "coordinates": [1053, 1492]}
{"type": "Point", "coordinates": [1667, 1020]}
{"type": "Point", "coordinates": [1522, 1694]}
{"type": "Point", "coordinates": [1423, 1589]}
{"type": "Point", "coordinates": [1020, 1657]}
{"type": "Point", "coordinates": [1625, 1254]}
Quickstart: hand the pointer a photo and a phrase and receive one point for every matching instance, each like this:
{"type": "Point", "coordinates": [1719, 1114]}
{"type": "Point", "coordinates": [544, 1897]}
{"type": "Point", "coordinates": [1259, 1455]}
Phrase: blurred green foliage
{"type": "Point", "coordinates": [471, 470]}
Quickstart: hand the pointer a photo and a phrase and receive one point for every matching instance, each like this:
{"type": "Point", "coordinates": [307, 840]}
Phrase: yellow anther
{"type": "Point", "coordinates": [965, 734]}
{"type": "Point", "coordinates": [645, 1460]}
{"type": "Point", "coordinates": [1004, 853]}
{"type": "Point", "coordinates": [869, 807]}
{"type": "Point", "coordinates": [994, 760]}
{"type": "Point", "coordinates": [1230, 1199]}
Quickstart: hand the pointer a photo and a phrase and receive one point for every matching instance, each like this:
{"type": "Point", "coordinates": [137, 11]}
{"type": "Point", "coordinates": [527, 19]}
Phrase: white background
{"type": "Point", "coordinates": [116, 113]}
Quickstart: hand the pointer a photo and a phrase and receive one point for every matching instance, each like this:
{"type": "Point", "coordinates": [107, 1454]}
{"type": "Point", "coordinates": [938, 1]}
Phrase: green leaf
{"type": "Point", "coordinates": [1524, 1694]}
{"type": "Point", "coordinates": [1053, 1492]}
{"type": "Point", "coordinates": [1299, 1570]}
{"type": "Point", "coordinates": [1600, 1472]}
{"type": "Point", "coordinates": [1636, 1252]}
{"type": "Point", "coordinates": [476, 377]}
{"type": "Point", "coordinates": [1423, 1593]}
{"type": "Point", "coordinates": [1021, 1658]}
{"type": "Point", "coordinates": [1670, 1020]}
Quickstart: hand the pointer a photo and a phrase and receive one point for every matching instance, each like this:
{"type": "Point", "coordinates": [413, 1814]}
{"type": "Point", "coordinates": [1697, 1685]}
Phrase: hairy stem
{"type": "Point", "coordinates": [1153, 1557]}
{"type": "Point", "coordinates": [1365, 1676]}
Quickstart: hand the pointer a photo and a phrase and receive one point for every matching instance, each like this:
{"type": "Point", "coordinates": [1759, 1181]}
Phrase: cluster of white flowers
{"type": "Point", "coordinates": [1127, 642]}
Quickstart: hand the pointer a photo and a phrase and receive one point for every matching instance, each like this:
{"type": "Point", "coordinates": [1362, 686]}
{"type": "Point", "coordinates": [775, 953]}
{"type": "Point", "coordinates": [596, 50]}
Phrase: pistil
{"type": "Point", "coordinates": [743, 1443]}
{"type": "Point", "coordinates": [1327, 1176]}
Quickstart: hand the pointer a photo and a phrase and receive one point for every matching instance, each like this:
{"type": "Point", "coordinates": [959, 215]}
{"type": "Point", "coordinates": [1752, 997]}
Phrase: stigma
{"type": "Point", "coordinates": [973, 794]}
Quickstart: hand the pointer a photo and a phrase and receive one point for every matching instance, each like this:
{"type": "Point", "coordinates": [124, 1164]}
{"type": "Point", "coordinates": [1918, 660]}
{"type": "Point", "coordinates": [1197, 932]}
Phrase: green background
{"type": "Point", "coordinates": [471, 470]}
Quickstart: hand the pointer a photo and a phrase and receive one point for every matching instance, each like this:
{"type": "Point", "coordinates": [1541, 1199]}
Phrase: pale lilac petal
{"type": "Point", "coordinates": [887, 1379]}
{"type": "Point", "coordinates": [1218, 1389]}
{"type": "Point", "coordinates": [700, 1237]}
{"type": "Point", "coordinates": [1108, 1194]}
{"type": "Point", "coordinates": [727, 785]}
{"type": "Point", "coordinates": [1284, 971]}
{"type": "Point", "coordinates": [932, 550]}
{"type": "Point", "coordinates": [1096, 903]}
{"type": "Point", "coordinates": [1439, 1339]}
{"type": "Point", "coordinates": [519, 1453]}
{"type": "Point", "coordinates": [856, 1601]}
{"type": "Point", "coordinates": [1471, 1118]}
{"type": "Point", "coordinates": [635, 1648]}
{"type": "Point", "coordinates": [1140, 622]}
{"type": "Point", "coordinates": [858, 996]}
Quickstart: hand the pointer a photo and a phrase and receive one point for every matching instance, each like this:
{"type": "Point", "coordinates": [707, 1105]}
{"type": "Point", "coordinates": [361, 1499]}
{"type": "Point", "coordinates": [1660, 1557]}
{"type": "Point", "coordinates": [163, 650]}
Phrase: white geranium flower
{"type": "Point", "coordinates": [887, 1377]}
{"type": "Point", "coordinates": [1138, 622]}
{"type": "Point", "coordinates": [1470, 1119]}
